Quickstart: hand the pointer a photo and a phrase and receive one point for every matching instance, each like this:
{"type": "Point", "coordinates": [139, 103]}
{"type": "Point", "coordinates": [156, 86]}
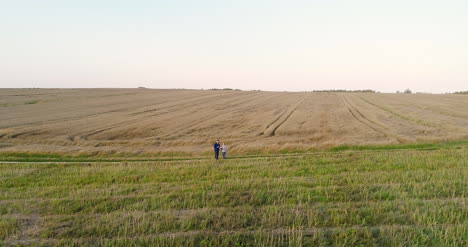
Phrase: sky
{"type": "Point", "coordinates": [294, 45]}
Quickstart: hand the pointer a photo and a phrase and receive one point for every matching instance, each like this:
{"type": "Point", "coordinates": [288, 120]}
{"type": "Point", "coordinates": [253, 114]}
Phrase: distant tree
{"type": "Point", "coordinates": [225, 89]}
{"type": "Point", "coordinates": [407, 90]}
{"type": "Point", "coordinates": [345, 91]}
{"type": "Point", "coordinates": [461, 92]}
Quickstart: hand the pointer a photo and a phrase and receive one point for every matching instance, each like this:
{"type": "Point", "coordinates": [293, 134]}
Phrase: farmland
{"type": "Point", "coordinates": [134, 167]}
{"type": "Point", "coordinates": [185, 122]}
{"type": "Point", "coordinates": [409, 197]}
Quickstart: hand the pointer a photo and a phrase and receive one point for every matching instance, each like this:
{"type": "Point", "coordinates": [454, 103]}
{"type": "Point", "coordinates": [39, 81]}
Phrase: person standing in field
{"type": "Point", "coordinates": [216, 149]}
{"type": "Point", "coordinates": [224, 150]}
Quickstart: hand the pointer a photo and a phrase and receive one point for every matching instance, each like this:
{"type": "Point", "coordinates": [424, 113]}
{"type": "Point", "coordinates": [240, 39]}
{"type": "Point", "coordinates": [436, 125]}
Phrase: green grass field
{"type": "Point", "coordinates": [365, 197]}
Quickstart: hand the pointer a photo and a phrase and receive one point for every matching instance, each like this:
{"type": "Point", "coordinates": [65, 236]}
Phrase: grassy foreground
{"type": "Point", "coordinates": [366, 198]}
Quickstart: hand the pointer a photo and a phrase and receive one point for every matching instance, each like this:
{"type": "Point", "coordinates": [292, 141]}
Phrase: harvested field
{"type": "Point", "coordinates": [136, 121]}
{"type": "Point", "coordinates": [367, 198]}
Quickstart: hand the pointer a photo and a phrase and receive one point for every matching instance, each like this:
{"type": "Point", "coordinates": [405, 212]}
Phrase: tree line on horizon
{"type": "Point", "coordinates": [406, 91]}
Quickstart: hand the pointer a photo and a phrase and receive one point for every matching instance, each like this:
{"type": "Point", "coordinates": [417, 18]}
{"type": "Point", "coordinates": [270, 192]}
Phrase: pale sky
{"type": "Point", "coordinates": [293, 45]}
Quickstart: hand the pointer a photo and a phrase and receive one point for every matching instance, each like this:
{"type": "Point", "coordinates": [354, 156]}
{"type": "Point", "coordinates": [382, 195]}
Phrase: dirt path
{"type": "Point", "coordinates": [247, 157]}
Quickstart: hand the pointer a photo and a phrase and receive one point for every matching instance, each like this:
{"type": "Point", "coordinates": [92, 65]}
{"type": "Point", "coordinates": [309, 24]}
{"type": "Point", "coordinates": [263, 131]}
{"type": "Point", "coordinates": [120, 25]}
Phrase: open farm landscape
{"type": "Point", "coordinates": [234, 123]}
{"type": "Point", "coordinates": [134, 167]}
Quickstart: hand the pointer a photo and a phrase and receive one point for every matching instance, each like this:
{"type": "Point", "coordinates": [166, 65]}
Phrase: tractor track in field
{"type": "Point", "coordinates": [418, 121]}
{"type": "Point", "coordinates": [271, 128]}
{"type": "Point", "coordinates": [369, 123]}
{"type": "Point", "coordinates": [398, 115]}
{"type": "Point", "coordinates": [109, 127]}
{"type": "Point", "coordinates": [240, 109]}
{"type": "Point", "coordinates": [184, 127]}
{"type": "Point", "coordinates": [86, 134]}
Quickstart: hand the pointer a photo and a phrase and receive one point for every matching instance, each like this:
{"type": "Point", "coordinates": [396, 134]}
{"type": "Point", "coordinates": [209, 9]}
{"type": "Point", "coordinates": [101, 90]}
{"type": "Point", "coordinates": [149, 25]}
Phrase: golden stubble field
{"type": "Point", "coordinates": [161, 121]}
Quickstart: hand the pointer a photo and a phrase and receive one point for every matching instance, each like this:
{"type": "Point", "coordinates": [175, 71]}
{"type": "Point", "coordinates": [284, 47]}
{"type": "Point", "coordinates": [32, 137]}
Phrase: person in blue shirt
{"type": "Point", "coordinates": [216, 149]}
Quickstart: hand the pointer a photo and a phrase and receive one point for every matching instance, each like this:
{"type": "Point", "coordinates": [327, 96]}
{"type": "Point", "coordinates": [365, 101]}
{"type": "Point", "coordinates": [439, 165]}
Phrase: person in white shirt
{"type": "Point", "coordinates": [223, 150]}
